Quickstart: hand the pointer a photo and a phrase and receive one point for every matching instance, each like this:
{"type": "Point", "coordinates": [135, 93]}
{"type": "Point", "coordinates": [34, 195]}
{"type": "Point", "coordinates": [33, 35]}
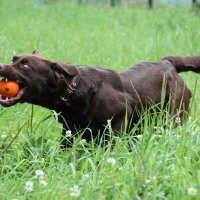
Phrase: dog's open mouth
{"type": "Point", "coordinates": [9, 101]}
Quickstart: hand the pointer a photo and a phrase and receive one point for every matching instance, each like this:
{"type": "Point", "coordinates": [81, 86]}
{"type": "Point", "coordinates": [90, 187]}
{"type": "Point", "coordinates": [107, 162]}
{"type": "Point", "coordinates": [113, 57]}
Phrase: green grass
{"type": "Point", "coordinates": [163, 164]}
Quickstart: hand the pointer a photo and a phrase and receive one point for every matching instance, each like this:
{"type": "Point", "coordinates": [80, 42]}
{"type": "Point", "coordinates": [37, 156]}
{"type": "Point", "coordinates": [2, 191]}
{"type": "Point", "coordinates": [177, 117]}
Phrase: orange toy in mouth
{"type": "Point", "coordinates": [8, 89]}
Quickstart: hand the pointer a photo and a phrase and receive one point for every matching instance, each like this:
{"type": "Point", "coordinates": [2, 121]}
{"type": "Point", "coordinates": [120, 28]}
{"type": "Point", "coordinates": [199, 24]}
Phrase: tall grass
{"type": "Point", "coordinates": [163, 163]}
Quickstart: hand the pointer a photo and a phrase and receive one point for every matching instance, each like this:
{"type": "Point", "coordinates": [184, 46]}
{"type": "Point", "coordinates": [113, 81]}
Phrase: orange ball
{"type": "Point", "coordinates": [9, 88]}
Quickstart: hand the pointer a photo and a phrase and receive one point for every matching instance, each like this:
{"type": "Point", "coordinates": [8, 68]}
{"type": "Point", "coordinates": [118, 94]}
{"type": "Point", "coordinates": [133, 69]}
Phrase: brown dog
{"type": "Point", "coordinates": [89, 96]}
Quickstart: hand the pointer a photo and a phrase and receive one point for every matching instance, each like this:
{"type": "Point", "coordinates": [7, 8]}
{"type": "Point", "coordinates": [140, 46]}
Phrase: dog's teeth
{"type": "Point", "coordinates": [1, 78]}
{"type": "Point", "coordinates": [6, 98]}
{"type": "Point", "coordinates": [6, 79]}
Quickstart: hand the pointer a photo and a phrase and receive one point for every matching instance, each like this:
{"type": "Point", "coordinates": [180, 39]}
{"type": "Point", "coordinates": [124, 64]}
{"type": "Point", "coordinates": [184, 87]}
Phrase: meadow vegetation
{"type": "Point", "coordinates": [162, 163]}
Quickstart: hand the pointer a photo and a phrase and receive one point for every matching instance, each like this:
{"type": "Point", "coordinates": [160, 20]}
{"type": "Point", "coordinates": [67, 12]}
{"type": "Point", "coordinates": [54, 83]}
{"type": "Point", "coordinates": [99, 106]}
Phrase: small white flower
{"type": "Point", "coordinates": [178, 120]}
{"type": "Point", "coordinates": [43, 183]}
{"type": "Point", "coordinates": [68, 133]}
{"type": "Point", "coordinates": [39, 174]}
{"type": "Point", "coordinates": [151, 179]}
{"type": "Point", "coordinates": [29, 186]}
{"type": "Point", "coordinates": [148, 181]}
{"type": "Point", "coordinates": [3, 136]}
{"type": "Point", "coordinates": [111, 161]}
{"type": "Point", "coordinates": [75, 191]}
{"type": "Point", "coordinates": [139, 136]}
{"type": "Point", "coordinates": [82, 142]}
{"type": "Point", "coordinates": [192, 191]}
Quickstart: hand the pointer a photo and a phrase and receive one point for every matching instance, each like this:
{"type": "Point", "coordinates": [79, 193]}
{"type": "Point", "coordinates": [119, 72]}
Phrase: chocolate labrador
{"type": "Point", "coordinates": [89, 96]}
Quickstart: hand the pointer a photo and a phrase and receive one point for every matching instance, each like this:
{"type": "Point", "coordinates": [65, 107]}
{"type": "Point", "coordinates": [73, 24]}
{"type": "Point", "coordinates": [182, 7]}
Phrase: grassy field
{"type": "Point", "coordinates": [164, 163]}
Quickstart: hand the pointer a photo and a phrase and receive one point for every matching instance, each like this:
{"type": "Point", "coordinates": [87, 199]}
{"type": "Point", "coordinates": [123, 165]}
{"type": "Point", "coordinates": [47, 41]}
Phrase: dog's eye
{"type": "Point", "coordinates": [25, 66]}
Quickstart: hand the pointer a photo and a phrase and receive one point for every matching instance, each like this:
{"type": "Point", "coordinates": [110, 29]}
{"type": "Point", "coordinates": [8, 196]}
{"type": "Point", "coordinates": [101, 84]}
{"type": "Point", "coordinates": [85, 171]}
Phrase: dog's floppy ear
{"type": "Point", "coordinates": [36, 53]}
{"type": "Point", "coordinates": [65, 69]}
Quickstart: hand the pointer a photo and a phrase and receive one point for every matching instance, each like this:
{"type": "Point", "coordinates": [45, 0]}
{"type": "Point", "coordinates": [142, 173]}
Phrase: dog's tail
{"type": "Point", "coordinates": [184, 64]}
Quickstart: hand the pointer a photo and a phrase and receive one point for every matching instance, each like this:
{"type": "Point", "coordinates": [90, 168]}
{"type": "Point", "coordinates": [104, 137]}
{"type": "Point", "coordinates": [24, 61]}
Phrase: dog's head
{"type": "Point", "coordinates": [38, 78]}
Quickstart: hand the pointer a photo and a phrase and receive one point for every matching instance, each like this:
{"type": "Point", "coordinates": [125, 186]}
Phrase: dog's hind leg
{"type": "Point", "coordinates": [179, 96]}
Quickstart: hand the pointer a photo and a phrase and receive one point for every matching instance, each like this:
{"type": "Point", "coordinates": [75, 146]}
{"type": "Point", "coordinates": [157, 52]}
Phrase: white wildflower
{"type": "Point", "coordinates": [43, 183]}
{"type": "Point", "coordinates": [29, 186]}
{"type": "Point", "coordinates": [111, 161]}
{"type": "Point", "coordinates": [75, 191]}
{"type": "Point", "coordinates": [139, 136]}
{"type": "Point", "coordinates": [39, 174]}
{"type": "Point", "coordinates": [82, 142]}
{"type": "Point", "coordinates": [151, 179]}
{"type": "Point", "coordinates": [178, 120]}
{"type": "Point", "coordinates": [68, 133]}
{"type": "Point", "coordinates": [3, 136]}
{"type": "Point", "coordinates": [192, 191]}
{"type": "Point", "coordinates": [148, 181]}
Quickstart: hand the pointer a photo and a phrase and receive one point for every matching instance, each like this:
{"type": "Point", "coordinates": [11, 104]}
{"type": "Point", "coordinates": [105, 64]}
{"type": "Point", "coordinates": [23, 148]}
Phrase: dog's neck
{"type": "Point", "coordinates": [70, 89]}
